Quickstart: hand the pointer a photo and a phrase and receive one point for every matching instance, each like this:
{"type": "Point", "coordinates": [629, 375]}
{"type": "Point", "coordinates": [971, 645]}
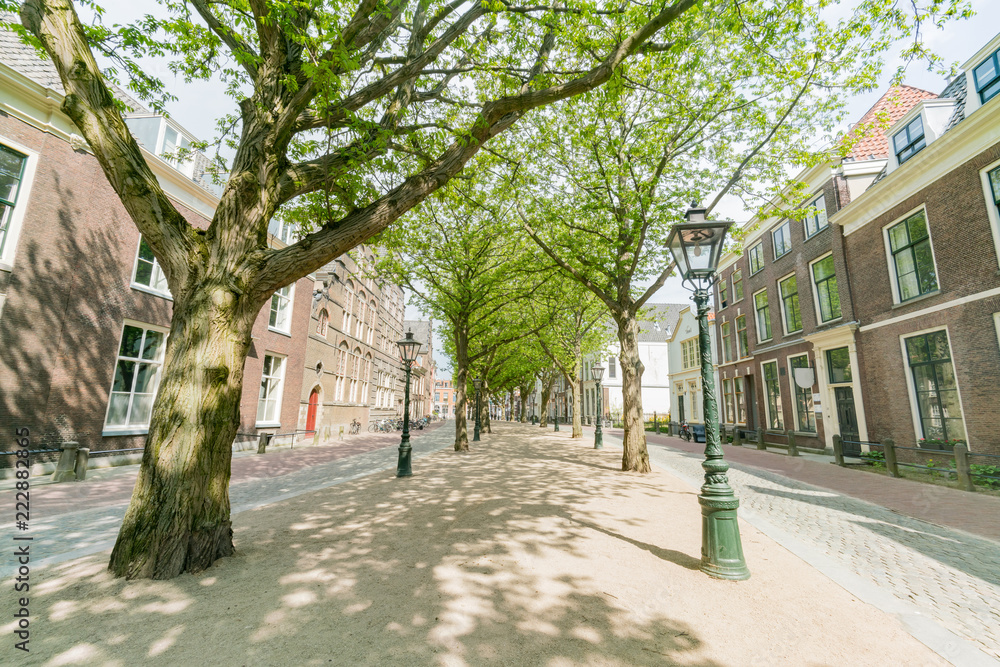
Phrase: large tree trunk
{"type": "Point", "coordinates": [523, 391]}
{"type": "Point", "coordinates": [577, 407]}
{"type": "Point", "coordinates": [486, 413]}
{"type": "Point", "coordinates": [546, 395]}
{"type": "Point", "coordinates": [461, 382]}
{"type": "Point", "coordinates": [178, 519]}
{"type": "Point", "coordinates": [635, 457]}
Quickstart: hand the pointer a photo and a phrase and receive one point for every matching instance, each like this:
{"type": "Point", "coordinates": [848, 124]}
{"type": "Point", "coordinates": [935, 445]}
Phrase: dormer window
{"type": "Point", "coordinates": [987, 78]}
{"type": "Point", "coordinates": [909, 141]}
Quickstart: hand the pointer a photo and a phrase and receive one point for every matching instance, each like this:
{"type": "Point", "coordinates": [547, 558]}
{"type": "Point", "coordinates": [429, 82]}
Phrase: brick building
{"type": "Point", "coordinates": [352, 369]}
{"type": "Point", "coordinates": [785, 318]}
{"type": "Point", "coordinates": [422, 380]}
{"type": "Point", "coordinates": [445, 399]}
{"type": "Point", "coordinates": [923, 253]}
{"type": "Point", "coordinates": [84, 308]}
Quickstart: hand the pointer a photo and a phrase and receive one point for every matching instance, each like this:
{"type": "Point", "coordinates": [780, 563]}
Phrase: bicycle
{"type": "Point", "coordinates": [685, 432]}
{"type": "Point", "coordinates": [355, 427]}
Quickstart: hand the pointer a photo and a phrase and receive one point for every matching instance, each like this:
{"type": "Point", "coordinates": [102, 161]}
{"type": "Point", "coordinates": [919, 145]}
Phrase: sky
{"type": "Point", "coordinates": [199, 103]}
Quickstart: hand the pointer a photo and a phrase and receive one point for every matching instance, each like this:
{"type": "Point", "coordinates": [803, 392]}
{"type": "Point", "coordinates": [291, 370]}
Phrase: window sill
{"type": "Point", "coordinates": [828, 322]}
{"type": "Point", "coordinates": [805, 434]}
{"type": "Point", "coordinates": [915, 299]}
{"type": "Point", "coordinates": [148, 290]}
{"type": "Point", "coordinates": [279, 331]}
{"type": "Point", "coordinates": [820, 231]}
{"type": "Point", "coordinates": [108, 433]}
{"type": "Point", "coordinates": [777, 257]}
{"type": "Point", "coordinates": [267, 425]}
{"type": "Point", "coordinates": [791, 333]}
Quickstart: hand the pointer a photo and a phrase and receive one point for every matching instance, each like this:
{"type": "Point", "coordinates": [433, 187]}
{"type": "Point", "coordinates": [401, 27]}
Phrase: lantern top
{"type": "Point", "coordinates": [409, 347]}
{"type": "Point", "coordinates": [696, 245]}
{"type": "Point", "coordinates": [597, 370]}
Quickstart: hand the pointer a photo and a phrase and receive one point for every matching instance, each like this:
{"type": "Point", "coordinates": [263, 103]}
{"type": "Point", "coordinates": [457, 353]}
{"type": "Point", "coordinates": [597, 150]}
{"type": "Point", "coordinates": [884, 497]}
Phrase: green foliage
{"type": "Point", "coordinates": [875, 459]}
{"type": "Point", "coordinates": [992, 470]}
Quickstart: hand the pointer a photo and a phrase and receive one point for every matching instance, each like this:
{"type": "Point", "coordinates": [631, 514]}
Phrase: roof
{"type": "Point", "coordinates": [422, 331]}
{"type": "Point", "coordinates": [895, 103]}
{"type": "Point", "coordinates": [36, 66]}
{"type": "Point", "coordinates": [658, 321]}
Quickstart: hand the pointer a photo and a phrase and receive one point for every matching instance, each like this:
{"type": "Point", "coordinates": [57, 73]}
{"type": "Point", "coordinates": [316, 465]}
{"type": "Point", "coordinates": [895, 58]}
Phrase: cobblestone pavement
{"type": "Point", "coordinates": [947, 575]}
{"type": "Point", "coordinates": [60, 535]}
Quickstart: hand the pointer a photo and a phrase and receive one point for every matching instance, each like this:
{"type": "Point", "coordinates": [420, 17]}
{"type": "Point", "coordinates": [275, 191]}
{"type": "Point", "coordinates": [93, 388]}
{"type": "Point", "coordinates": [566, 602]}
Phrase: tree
{"type": "Point", "coordinates": [724, 112]}
{"type": "Point", "coordinates": [353, 112]}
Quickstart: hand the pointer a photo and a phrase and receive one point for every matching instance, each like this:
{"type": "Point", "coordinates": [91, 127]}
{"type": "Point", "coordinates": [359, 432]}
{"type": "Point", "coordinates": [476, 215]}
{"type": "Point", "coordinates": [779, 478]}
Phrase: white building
{"type": "Point", "coordinates": [685, 365]}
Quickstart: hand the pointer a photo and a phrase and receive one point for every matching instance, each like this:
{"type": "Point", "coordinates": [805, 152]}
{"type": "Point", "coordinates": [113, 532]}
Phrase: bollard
{"type": "Point", "coordinates": [82, 457]}
{"type": "Point", "coordinates": [340, 434]}
{"type": "Point", "coordinates": [962, 468]}
{"type": "Point", "coordinates": [890, 457]}
{"type": "Point", "coordinates": [760, 440]}
{"type": "Point", "coordinates": [792, 449]}
{"type": "Point", "coordinates": [737, 437]}
{"type": "Point", "coordinates": [64, 471]}
{"type": "Point", "coordinates": [838, 449]}
{"type": "Point", "coordinates": [263, 442]}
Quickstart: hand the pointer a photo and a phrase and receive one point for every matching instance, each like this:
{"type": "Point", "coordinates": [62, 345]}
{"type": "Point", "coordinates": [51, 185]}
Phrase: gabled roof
{"type": "Point", "coordinates": [895, 103]}
{"type": "Point", "coordinates": [658, 322]}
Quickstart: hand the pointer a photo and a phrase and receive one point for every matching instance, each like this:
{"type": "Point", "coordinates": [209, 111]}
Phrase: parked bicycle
{"type": "Point", "coordinates": [355, 427]}
{"type": "Point", "coordinates": [685, 431]}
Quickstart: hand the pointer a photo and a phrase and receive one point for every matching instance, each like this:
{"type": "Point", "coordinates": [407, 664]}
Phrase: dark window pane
{"type": "Point", "coordinates": [916, 349]}
{"type": "Point", "coordinates": [839, 362]}
{"type": "Point", "coordinates": [124, 372]}
{"type": "Point", "coordinates": [131, 341]}
{"type": "Point", "coordinates": [145, 252]}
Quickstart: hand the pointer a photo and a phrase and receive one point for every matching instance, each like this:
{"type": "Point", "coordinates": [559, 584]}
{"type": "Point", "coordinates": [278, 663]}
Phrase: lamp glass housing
{"type": "Point", "coordinates": [409, 347]}
{"type": "Point", "coordinates": [597, 371]}
{"type": "Point", "coordinates": [477, 383]}
{"type": "Point", "coordinates": [697, 247]}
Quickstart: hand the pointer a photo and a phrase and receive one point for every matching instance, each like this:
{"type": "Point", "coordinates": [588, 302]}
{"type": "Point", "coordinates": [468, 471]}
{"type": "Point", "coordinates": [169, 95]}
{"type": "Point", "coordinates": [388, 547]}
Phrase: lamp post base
{"type": "Point", "coordinates": [403, 465]}
{"type": "Point", "coordinates": [556, 423]}
{"type": "Point", "coordinates": [721, 546]}
{"type": "Point", "coordinates": [598, 438]}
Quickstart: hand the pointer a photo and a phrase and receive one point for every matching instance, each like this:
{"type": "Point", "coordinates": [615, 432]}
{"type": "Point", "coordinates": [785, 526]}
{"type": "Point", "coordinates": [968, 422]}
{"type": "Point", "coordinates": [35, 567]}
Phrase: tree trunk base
{"type": "Point", "coordinates": [137, 558]}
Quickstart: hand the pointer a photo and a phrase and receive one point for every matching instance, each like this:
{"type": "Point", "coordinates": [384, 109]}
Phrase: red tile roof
{"type": "Point", "coordinates": [895, 104]}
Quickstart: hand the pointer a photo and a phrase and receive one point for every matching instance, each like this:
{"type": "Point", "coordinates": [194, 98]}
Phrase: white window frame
{"type": "Point", "coordinates": [21, 204]}
{"type": "Point", "coordinates": [280, 392]}
{"type": "Point", "coordinates": [891, 264]}
{"type": "Point", "coordinates": [760, 245]}
{"type": "Point", "coordinates": [290, 302]}
{"type": "Point", "coordinates": [826, 222]}
{"type": "Point", "coordinates": [743, 284]}
{"type": "Point", "coordinates": [767, 405]}
{"type": "Point", "coordinates": [910, 140]}
{"type": "Point", "coordinates": [794, 387]}
{"type": "Point", "coordinates": [991, 207]}
{"type": "Point", "coordinates": [781, 298]}
{"type": "Point", "coordinates": [815, 291]}
{"type": "Point", "coordinates": [787, 226]}
{"type": "Point", "coordinates": [165, 294]}
{"type": "Point", "coordinates": [756, 319]}
{"type": "Point", "coordinates": [134, 429]}
{"type": "Point", "coordinates": [911, 392]}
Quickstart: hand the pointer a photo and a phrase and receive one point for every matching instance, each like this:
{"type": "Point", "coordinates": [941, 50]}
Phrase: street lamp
{"type": "Point", "coordinates": [696, 246]}
{"type": "Point", "coordinates": [597, 370]}
{"type": "Point", "coordinates": [408, 350]}
{"type": "Point", "coordinates": [478, 384]}
{"type": "Point", "coordinates": [555, 406]}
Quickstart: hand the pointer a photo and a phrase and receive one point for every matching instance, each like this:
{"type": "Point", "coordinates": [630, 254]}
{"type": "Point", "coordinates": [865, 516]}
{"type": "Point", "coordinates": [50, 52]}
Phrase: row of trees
{"type": "Point", "coordinates": [347, 115]}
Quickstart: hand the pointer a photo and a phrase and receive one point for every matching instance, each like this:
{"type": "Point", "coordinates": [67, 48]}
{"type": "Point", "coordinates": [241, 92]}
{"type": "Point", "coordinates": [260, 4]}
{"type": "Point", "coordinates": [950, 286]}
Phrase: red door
{"type": "Point", "coordinates": [311, 414]}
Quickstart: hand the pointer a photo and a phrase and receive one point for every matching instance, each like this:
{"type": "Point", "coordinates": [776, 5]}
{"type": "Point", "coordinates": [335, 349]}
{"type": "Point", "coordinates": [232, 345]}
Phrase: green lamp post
{"type": "Point", "coordinates": [696, 246]}
{"type": "Point", "coordinates": [475, 433]}
{"type": "Point", "coordinates": [555, 420]}
{"type": "Point", "coordinates": [597, 370]}
{"type": "Point", "coordinates": [408, 350]}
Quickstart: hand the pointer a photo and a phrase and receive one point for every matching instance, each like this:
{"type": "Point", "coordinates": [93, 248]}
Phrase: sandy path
{"type": "Point", "coordinates": [532, 550]}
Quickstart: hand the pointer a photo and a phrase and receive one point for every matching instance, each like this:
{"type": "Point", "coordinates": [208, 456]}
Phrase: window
{"type": "Point", "coordinates": [727, 398]}
{"type": "Point", "coordinates": [11, 173]}
{"type": "Point", "coordinates": [763, 316]}
{"type": "Point", "coordinates": [723, 294]}
{"type": "Point", "coordinates": [839, 363]}
{"type": "Point", "coordinates": [148, 272]}
{"type": "Point", "coordinates": [773, 390]}
{"type": "Point", "coordinates": [936, 390]}
{"type": "Point", "coordinates": [284, 231]}
{"type": "Point", "coordinates": [340, 373]}
{"type": "Point", "coordinates": [782, 239]}
{"type": "Point", "coordinates": [908, 141]}
{"type": "Point", "coordinates": [790, 304]}
{"type": "Point", "coordinates": [756, 258]}
{"type": "Point", "coordinates": [827, 296]}
{"type": "Point", "coordinates": [737, 286]}
{"type": "Point", "coordinates": [994, 177]}
{"type": "Point", "coordinates": [987, 78]}
{"type": "Point", "coordinates": [322, 325]}
{"type": "Point", "coordinates": [281, 310]}
{"type": "Point", "coordinates": [816, 218]}
{"type": "Point", "coordinates": [741, 336]}
{"type": "Point", "coordinates": [348, 307]}
{"type": "Point", "coordinates": [271, 381]}
{"type": "Point", "coordinates": [137, 376]}
{"type": "Point", "coordinates": [910, 245]}
{"type": "Point", "coordinates": [611, 367]}
{"type": "Point", "coordinates": [693, 392]}
{"type": "Point", "coordinates": [805, 417]}
{"type": "Point", "coordinates": [727, 335]}
{"type": "Point", "coordinates": [689, 353]}
{"type": "Point", "coordinates": [741, 410]}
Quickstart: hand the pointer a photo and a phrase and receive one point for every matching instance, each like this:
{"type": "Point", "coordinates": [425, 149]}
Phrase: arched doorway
{"type": "Point", "coordinates": [311, 414]}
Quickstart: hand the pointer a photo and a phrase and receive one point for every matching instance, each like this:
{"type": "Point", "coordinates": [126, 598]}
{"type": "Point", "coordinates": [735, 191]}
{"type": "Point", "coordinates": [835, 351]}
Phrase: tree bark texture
{"type": "Point", "coordinates": [546, 395]}
{"type": "Point", "coordinates": [178, 519]}
{"type": "Point", "coordinates": [461, 382]}
{"type": "Point", "coordinates": [577, 408]}
{"type": "Point", "coordinates": [523, 391]}
{"type": "Point", "coordinates": [635, 456]}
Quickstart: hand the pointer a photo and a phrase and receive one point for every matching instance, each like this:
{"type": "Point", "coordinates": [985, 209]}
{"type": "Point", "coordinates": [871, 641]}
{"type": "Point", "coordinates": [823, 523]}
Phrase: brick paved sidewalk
{"type": "Point", "coordinates": [974, 513]}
